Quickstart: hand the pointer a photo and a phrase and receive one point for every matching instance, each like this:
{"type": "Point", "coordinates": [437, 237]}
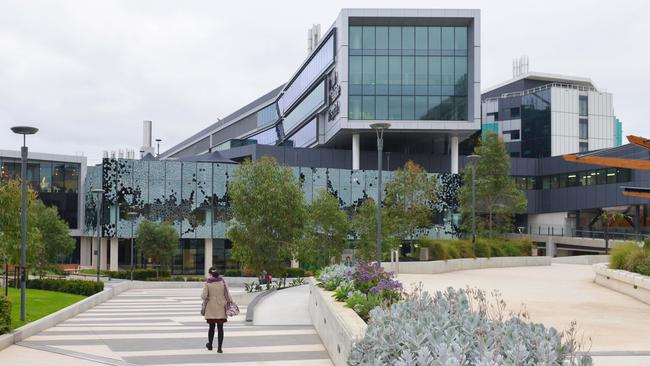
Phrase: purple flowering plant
{"type": "Point", "coordinates": [370, 279]}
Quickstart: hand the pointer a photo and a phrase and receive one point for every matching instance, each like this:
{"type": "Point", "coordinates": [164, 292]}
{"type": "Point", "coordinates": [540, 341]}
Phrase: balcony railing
{"type": "Point", "coordinates": [559, 230]}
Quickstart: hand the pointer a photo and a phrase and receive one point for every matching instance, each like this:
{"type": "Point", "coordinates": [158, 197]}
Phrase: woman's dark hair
{"type": "Point", "coordinates": [214, 272]}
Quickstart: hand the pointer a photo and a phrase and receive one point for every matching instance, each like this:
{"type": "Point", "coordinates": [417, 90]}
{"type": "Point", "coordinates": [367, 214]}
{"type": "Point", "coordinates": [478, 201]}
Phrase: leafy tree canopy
{"type": "Point", "coordinates": [10, 224]}
{"type": "Point", "coordinates": [364, 224]}
{"type": "Point", "coordinates": [268, 214]}
{"type": "Point", "coordinates": [158, 241]}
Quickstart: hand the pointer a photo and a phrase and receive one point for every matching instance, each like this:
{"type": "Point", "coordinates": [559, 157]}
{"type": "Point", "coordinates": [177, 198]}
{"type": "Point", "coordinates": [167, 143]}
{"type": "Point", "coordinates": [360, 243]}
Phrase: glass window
{"type": "Point", "coordinates": [421, 38]}
{"type": "Point", "coordinates": [584, 106]}
{"type": "Point", "coordinates": [408, 108]}
{"type": "Point", "coordinates": [381, 67]}
{"type": "Point", "coordinates": [434, 108]}
{"type": "Point", "coordinates": [58, 179]}
{"type": "Point", "coordinates": [355, 69]}
{"type": "Point", "coordinates": [394, 70]}
{"type": "Point", "coordinates": [421, 107]}
{"type": "Point", "coordinates": [446, 109]}
{"type": "Point", "coordinates": [408, 38]}
{"type": "Point", "coordinates": [546, 183]}
{"type": "Point", "coordinates": [583, 147]}
{"type": "Point", "coordinates": [355, 38]}
{"type": "Point", "coordinates": [368, 110]}
{"type": "Point", "coordinates": [355, 107]}
{"type": "Point", "coordinates": [591, 178]}
{"type": "Point", "coordinates": [395, 38]}
{"type": "Point", "coordinates": [267, 115]}
{"type": "Point", "coordinates": [381, 107]}
{"type": "Point", "coordinates": [584, 128]}
{"type": "Point", "coordinates": [421, 71]}
{"type": "Point", "coordinates": [460, 108]}
{"type": "Point", "coordinates": [368, 38]}
{"type": "Point", "coordinates": [306, 135]}
{"type": "Point", "coordinates": [394, 107]}
{"type": "Point", "coordinates": [71, 183]}
{"type": "Point", "coordinates": [435, 71]}
{"type": "Point", "coordinates": [268, 137]}
{"type": "Point", "coordinates": [460, 38]}
{"type": "Point", "coordinates": [611, 175]}
{"type": "Point", "coordinates": [448, 71]}
{"type": "Point", "coordinates": [408, 70]}
{"type": "Point", "coordinates": [572, 180]}
{"type": "Point", "coordinates": [555, 182]}
{"type": "Point", "coordinates": [601, 177]}
{"type": "Point", "coordinates": [33, 176]}
{"type": "Point", "coordinates": [45, 175]}
{"type": "Point", "coordinates": [460, 75]}
{"type": "Point", "coordinates": [515, 112]}
{"type": "Point", "coordinates": [307, 106]}
{"type": "Point", "coordinates": [368, 74]}
{"type": "Point", "coordinates": [434, 38]}
{"type": "Point", "coordinates": [447, 38]}
{"type": "Point", "coordinates": [381, 34]}
{"type": "Point", "coordinates": [532, 183]}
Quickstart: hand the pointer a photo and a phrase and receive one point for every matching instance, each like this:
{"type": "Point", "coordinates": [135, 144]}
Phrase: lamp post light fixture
{"type": "Point", "coordinates": [132, 216]}
{"type": "Point", "coordinates": [98, 192]}
{"type": "Point", "coordinates": [158, 146]}
{"type": "Point", "coordinates": [473, 160]}
{"type": "Point", "coordinates": [23, 130]}
{"type": "Point", "coordinates": [379, 127]}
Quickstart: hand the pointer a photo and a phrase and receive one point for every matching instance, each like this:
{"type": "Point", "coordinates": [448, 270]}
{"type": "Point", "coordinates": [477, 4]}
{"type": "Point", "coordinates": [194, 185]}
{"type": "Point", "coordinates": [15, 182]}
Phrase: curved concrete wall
{"type": "Point", "coordinates": [628, 283]}
{"type": "Point", "coordinates": [433, 267]}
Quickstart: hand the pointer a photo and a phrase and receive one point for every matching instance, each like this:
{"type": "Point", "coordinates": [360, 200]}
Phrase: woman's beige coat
{"type": "Point", "coordinates": [216, 294]}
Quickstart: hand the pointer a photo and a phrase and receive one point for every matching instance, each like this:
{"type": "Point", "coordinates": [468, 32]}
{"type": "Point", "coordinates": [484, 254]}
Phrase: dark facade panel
{"type": "Point", "coordinates": [235, 130]}
{"type": "Point", "coordinates": [198, 147]}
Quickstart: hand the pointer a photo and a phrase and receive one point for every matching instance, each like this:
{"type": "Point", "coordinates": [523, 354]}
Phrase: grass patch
{"type": "Point", "coordinates": [40, 303]}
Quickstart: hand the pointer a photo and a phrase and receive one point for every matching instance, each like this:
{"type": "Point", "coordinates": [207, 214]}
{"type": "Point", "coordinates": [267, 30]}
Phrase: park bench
{"type": "Point", "coordinates": [70, 268]}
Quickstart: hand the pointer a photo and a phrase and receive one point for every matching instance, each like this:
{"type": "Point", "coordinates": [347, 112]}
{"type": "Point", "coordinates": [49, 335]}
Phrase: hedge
{"type": "Point", "coordinates": [138, 274]}
{"type": "Point", "coordinates": [78, 287]}
{"type": "Point", "coordinates": [5, 315]}
{"type": "Point", "coordinates": [631, 257]}
{"type": "Point", "coordinates": [485, 248]}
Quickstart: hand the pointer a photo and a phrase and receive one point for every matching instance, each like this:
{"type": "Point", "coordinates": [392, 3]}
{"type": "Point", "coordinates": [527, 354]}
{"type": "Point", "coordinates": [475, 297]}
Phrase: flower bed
{"type": "Point", "coordinates": [362, 287]}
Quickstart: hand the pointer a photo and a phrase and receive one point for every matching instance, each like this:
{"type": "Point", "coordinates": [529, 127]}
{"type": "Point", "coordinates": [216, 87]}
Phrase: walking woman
{"type": "Point", "coordinates": [215, 297]}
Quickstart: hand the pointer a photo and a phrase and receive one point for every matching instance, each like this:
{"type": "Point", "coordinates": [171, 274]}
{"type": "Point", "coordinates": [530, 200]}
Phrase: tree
{"type": "Point", "coordinates": [10, 224]}
{"type": "Point", "coordinates": [55, 235]}
{"type": "Point", "coordinates": [158, 241]}
{"type": "Point", "coordinates": [326, 231]}
{"type": "Point", "coordinates": [497, 197]}
{"type": "Point", "coordinates": [409, 199]}
{"type": "Point", "coordinates": [364, 224]}
{"type": "Point", "coordinates": [268, 214]}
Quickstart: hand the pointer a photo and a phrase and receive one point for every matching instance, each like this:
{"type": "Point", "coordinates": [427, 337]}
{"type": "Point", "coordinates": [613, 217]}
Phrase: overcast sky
{"type": "Point", "coordinates": [88, 72]}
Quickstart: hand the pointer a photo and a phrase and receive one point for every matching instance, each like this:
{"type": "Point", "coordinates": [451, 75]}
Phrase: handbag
{"type": "Point", "coordinates": [203, 306]}
{"type": "Point", "coordinates": [231, 308]}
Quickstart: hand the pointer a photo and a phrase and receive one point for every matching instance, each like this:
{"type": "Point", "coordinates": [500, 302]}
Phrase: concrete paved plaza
{"type": "Point", "coordinates": [164, 327]}
{"type": "Point", "coordinates": [619, 325]}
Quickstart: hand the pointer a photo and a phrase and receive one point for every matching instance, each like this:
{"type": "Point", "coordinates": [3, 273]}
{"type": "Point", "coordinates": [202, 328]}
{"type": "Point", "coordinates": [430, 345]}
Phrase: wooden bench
{"type": "Point", "coordinates": [70, 268]}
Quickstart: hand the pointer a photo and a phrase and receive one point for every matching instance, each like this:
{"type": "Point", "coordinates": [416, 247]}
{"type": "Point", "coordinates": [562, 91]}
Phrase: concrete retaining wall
{"type": "Point", "coordinates": [37, 326]}
{"type": "Point", "coordinates": [628, 283]}
{"type": "Point", "coordinates": [433, 267]}
{"type": "Point", "coordinates": [582, 259]}
{"type": "Point", "coordinates": [338, 326]}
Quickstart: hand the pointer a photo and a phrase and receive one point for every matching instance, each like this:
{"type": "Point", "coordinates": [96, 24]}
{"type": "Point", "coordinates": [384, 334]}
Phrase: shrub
{"type": "Point", "coordinates": [458, 327]}
{"type": "Point", "coordinates": [637, 259]}
{"type": "Point", "coordinates": [344, 290]}
{"type": "Point", "coordinates": [619, 254]}
{"type": "Point", "coordinates": [78, 287]}
{"type": "Point", "coordinates": [5, 315]}
{"type": "Point", "coordinates": [646, 243]}
{"type": "Point", "coordinates": [362, 303]}
{"type": "Point", "coordinates": [482, 249]}
{"type": "Point", "coordinates": [485, 248]}
{"type": "Point", "coordinates": [247, 272]}
{"type": "Point", "coordinates": [232, 273]}
{"type": "Point", "coordinates": [138, 274]}
{"type": "Point", "coordinates": [330, 277]}
{"type": "Point", "coordinates": [293, 272]}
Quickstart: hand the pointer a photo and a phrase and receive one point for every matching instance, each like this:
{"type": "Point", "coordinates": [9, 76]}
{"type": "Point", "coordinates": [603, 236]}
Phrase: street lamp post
{"type": "Point", "coordinates": [98, 192]}
{"type": "Point", "coordinates": [23, 130]}
{"type": "Point", "coordinates": [473, 159]}
{"type": "Point", "coordinates": [379, 127]}
{"type": "Point", "coordinates": [132, 216]}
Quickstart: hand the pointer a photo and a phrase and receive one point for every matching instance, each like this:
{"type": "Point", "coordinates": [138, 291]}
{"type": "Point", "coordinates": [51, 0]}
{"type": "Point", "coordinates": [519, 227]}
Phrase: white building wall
{"type": "Point", "coordinates": [601, 121]}
{"type": "Point", "coordinates": [564, 121]}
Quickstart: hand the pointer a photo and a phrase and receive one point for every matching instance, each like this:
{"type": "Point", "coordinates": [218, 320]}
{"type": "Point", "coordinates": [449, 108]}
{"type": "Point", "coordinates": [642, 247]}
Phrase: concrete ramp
{"type": "Point", "coordinates": [284, 307]}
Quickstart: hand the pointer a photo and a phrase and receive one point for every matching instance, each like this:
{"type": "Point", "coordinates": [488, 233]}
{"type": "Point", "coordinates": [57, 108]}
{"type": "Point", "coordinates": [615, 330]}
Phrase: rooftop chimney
{"type": "Point", "coordinates": [146, 138]}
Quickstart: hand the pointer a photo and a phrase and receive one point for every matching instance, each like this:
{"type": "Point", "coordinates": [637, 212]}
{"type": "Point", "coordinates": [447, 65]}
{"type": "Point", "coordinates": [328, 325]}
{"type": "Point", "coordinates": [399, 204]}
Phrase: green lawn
{"type": "Point", "coordinates": [39, 304]}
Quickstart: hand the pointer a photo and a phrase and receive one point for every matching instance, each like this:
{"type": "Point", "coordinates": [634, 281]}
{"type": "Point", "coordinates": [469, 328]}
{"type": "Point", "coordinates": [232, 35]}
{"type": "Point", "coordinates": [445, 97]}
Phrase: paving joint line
{"type": "Point", "coordinates": [79, 355]}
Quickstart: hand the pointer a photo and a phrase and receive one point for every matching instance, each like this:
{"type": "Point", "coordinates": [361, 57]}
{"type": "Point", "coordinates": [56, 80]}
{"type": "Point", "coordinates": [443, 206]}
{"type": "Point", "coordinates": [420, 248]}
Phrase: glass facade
{"type": "Point", "coordinates": [408, 73]}
{"type": "Point", "coordinates": [314, 68]}
{"type": "Point", "coordinates": [576, 179]}
{"type": "Point", "coordinates": [306, 135]}
{"type": "Point", "coordinates": [305, 108]}
{"type": "Point", "coordinates": [222, 255]}
{"type": "Point", "coordinates": [190, 257]}
{"type": "Point", "coordinates": [56, 183]}
{"type": "Point", "coordinates": [584, 128]}
{"type": "Point", "coordinates": [584, 105]}
{"type": "Point", "coordinates": [536, 124]}
{"type": "Point", "coordinates": [267, 115]}
{"type": "Point", "coordinates": [268, 137]}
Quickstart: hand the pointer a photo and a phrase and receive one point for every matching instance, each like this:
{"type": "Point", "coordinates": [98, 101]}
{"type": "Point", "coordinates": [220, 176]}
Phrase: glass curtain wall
{"type": "Point", "coordinates": [408, 73]}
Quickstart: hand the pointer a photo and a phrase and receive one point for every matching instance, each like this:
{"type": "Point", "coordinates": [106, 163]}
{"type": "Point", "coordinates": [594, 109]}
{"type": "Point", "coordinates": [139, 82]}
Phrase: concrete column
{"type": "Point", "coordinates": [208, 255]}
{"type": "Point", "coordinates": [454, 154]}
{"type": "Point", "coordinates": [356, 151]}
{"type": "Point", "coordinates": [114, 254]}
{"type": "Point", "coordinates": [550, 247]}
{"type": "Point", "coordinates": [93, 252]}
{"type": "Point", "coordinates": [85, 251]}
{"type": "Point", "coordinates": [103, 257]}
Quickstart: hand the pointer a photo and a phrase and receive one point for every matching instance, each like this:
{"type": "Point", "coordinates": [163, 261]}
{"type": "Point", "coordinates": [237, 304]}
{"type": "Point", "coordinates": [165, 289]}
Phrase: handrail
{"type": "Point", "coordinates": [542, 87]}
{"type": "Point", "coordinates": [562, 231]}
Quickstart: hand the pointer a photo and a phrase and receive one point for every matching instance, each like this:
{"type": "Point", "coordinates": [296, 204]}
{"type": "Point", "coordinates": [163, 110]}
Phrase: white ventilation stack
{"type": "Point", "coordinates": [146, 139]}
{"type": "Point", "coordinates": [313, 37]}
{"type": "Point", "coordinates": [520, 66]}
